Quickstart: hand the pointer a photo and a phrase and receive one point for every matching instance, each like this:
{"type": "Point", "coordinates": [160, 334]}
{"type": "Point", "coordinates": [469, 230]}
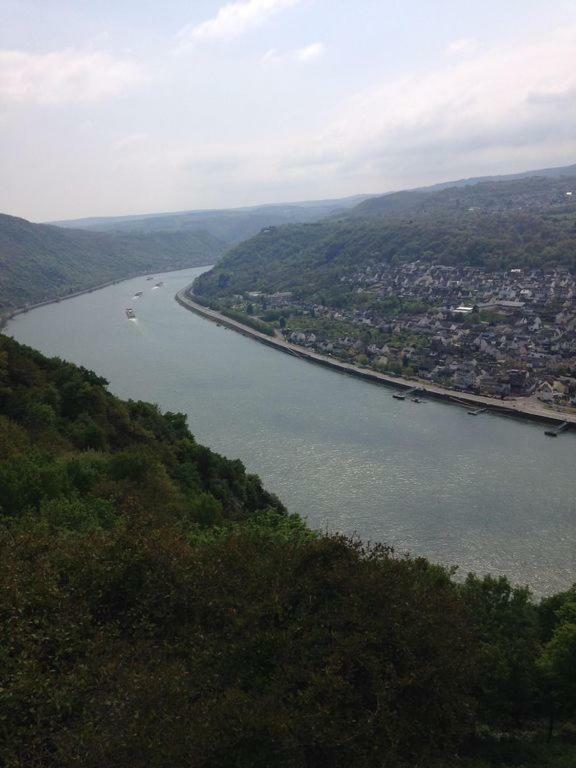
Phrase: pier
{"type": "Point", "coordinates": [558, 430]}
{"type": "Point", "coordinates": [408, 393]}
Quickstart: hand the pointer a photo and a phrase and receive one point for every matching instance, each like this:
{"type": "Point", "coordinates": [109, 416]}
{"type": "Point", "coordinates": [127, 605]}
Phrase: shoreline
{"type": "Point", "coordinates": [515, 408]}
{"type": "Point", "coordinates": [6, 318]}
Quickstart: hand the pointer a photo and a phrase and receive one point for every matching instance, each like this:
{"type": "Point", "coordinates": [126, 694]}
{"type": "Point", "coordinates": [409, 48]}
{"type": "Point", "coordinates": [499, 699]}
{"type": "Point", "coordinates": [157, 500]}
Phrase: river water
{"type": "Point", "coordinates": [485, 493]}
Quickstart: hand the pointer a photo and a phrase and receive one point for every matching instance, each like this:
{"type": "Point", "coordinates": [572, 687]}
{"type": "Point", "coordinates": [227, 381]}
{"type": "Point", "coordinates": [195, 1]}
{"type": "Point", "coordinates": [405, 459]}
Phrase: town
{"type": "Point", "coordinates": [500, 334]}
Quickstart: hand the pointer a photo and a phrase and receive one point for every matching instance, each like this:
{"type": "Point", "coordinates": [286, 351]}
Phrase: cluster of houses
{"type": "Point", "coordinates": [508, 333]}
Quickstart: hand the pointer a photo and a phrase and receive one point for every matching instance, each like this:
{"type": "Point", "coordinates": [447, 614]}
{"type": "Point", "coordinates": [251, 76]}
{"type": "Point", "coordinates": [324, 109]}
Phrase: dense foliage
{"type": "Point", "coordinates": [251, 322]}
{"type": "Point", "coordinates": [63, 436]}
{"type": "Point", "coordinates": [39, 262]}
{"type": "Point", "coordinates": [159, 608]}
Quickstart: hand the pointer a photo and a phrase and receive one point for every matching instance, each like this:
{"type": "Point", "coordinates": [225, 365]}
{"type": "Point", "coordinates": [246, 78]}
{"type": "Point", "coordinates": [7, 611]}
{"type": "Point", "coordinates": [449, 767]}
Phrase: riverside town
{"type": "Point", "coordinates": [500, 334]}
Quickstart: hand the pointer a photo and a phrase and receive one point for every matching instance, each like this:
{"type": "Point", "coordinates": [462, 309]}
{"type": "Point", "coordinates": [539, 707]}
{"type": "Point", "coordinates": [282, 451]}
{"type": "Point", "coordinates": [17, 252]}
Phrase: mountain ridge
{"type": "Point", "coordinates": [230, 225]}
{"type": "Point", "coordinates": [495, 193]}
{"type": "Point", "coordinates": [171, 219]}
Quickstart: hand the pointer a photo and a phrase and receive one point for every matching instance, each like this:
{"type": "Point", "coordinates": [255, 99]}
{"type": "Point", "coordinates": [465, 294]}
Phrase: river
{"type": "Point", "coordinates": [486, 494]}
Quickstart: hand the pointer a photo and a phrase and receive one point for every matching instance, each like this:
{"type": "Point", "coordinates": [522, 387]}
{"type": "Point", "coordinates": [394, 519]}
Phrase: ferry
{"type": "Point", "coordinates": [130, 314]}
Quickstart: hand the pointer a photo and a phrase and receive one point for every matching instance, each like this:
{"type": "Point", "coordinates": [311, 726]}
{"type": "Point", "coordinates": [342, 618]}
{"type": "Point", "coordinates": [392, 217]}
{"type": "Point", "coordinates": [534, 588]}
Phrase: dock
{"type": "Point", "coordinates": [558, 430]}
{"type": "Point", "coordinates": [407, 393]}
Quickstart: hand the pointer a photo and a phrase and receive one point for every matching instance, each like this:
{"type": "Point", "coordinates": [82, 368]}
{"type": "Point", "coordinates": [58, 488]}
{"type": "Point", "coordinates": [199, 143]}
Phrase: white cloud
{"type": "Point", "coordinates": [311, 52]}
{"type": "Point", "coordinates": [462, 47]}
{"type": "Point", "coordinates": [502, 110]}
{"type": "Point", "coordinates": [63, 76]}
{"type": "Point", "coordinates": [234, 19]}
{"type": "Point", "coordinates": [271, 57]}
{"type": "Point", "coordinates": [302, 55]}
{"type": "Point", "coordinates": [515, 102]}
{"type": "Point", "coordinates": [131, 142]}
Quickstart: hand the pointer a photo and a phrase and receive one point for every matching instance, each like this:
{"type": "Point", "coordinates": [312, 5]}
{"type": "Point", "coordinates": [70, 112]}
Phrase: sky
{"type": "Point", "coordinates": [137, 106]}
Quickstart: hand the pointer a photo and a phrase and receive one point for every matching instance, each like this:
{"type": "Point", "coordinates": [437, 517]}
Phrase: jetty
{"type": "Point", "coordinates": [407, 393]}
{"type": "Point", "coordinates": [558, 430]}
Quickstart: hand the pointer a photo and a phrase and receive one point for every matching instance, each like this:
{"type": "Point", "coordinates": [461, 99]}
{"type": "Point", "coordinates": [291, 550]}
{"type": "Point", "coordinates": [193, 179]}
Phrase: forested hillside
{"type": "Point", "coordinates": [159, 608]}
{"type": "Point", "coordinates": [39, 262]}
{"type": "Point", "coordinates": [312, 259]}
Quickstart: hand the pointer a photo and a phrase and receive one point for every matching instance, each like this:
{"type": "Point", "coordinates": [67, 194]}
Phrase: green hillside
{"type": "Point", "coordinates": [159, 608]}
{"type": "Point", "coordinates": [39, 262]}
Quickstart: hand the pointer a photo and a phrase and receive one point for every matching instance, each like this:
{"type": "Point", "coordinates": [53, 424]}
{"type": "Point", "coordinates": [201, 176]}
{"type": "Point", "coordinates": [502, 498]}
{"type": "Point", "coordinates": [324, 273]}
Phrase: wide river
{"type": "Point", "coordinates": [486, 493]}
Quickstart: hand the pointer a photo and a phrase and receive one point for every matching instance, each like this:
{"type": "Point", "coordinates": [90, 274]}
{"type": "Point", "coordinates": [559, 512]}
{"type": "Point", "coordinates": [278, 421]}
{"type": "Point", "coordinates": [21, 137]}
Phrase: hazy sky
{"type": "Point", "coordinates": [110, 107]}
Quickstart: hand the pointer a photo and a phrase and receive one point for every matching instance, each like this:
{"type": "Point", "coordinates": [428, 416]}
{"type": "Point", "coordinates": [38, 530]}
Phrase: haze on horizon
{"type": "Point", "coordinates": [135, 107]}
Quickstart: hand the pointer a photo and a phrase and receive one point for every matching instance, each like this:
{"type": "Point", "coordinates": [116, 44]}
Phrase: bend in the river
{"type": "Point", "coordinates": [487, 494]}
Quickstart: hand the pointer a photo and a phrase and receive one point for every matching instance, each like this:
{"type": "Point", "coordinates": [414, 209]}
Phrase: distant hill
{"type": "Point", "coordinates": [39, 262]}
{"type": "Point", "coordinates": [230, 226]}
{"type": "Point", "coordinates": [234, 225]}
{"type": "Point", "coordinates": [564, 170]}
{"type": "Point", "coordinates": [534, 191]}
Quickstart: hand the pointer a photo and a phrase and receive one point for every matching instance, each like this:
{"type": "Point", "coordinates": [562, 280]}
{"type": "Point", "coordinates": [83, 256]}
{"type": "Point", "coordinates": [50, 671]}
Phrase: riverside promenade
{"type": "Point", "coordinates": [521, 407]}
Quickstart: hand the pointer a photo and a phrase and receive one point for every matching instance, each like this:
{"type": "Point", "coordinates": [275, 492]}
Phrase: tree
{"type": "Point", "coordinates": [558, 666]}
{"type": "Point", "coordinates": [139, 647]}
{"type": "Point", "coordinates": [506, 623]}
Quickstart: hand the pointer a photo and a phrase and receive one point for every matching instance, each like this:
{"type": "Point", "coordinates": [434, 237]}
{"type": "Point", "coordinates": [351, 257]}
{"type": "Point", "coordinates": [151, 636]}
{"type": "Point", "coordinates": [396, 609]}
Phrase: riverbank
{"type": "Point", "coordinates": [5, 319]}
{"type": "Point", "coordinates": [518, 408]}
